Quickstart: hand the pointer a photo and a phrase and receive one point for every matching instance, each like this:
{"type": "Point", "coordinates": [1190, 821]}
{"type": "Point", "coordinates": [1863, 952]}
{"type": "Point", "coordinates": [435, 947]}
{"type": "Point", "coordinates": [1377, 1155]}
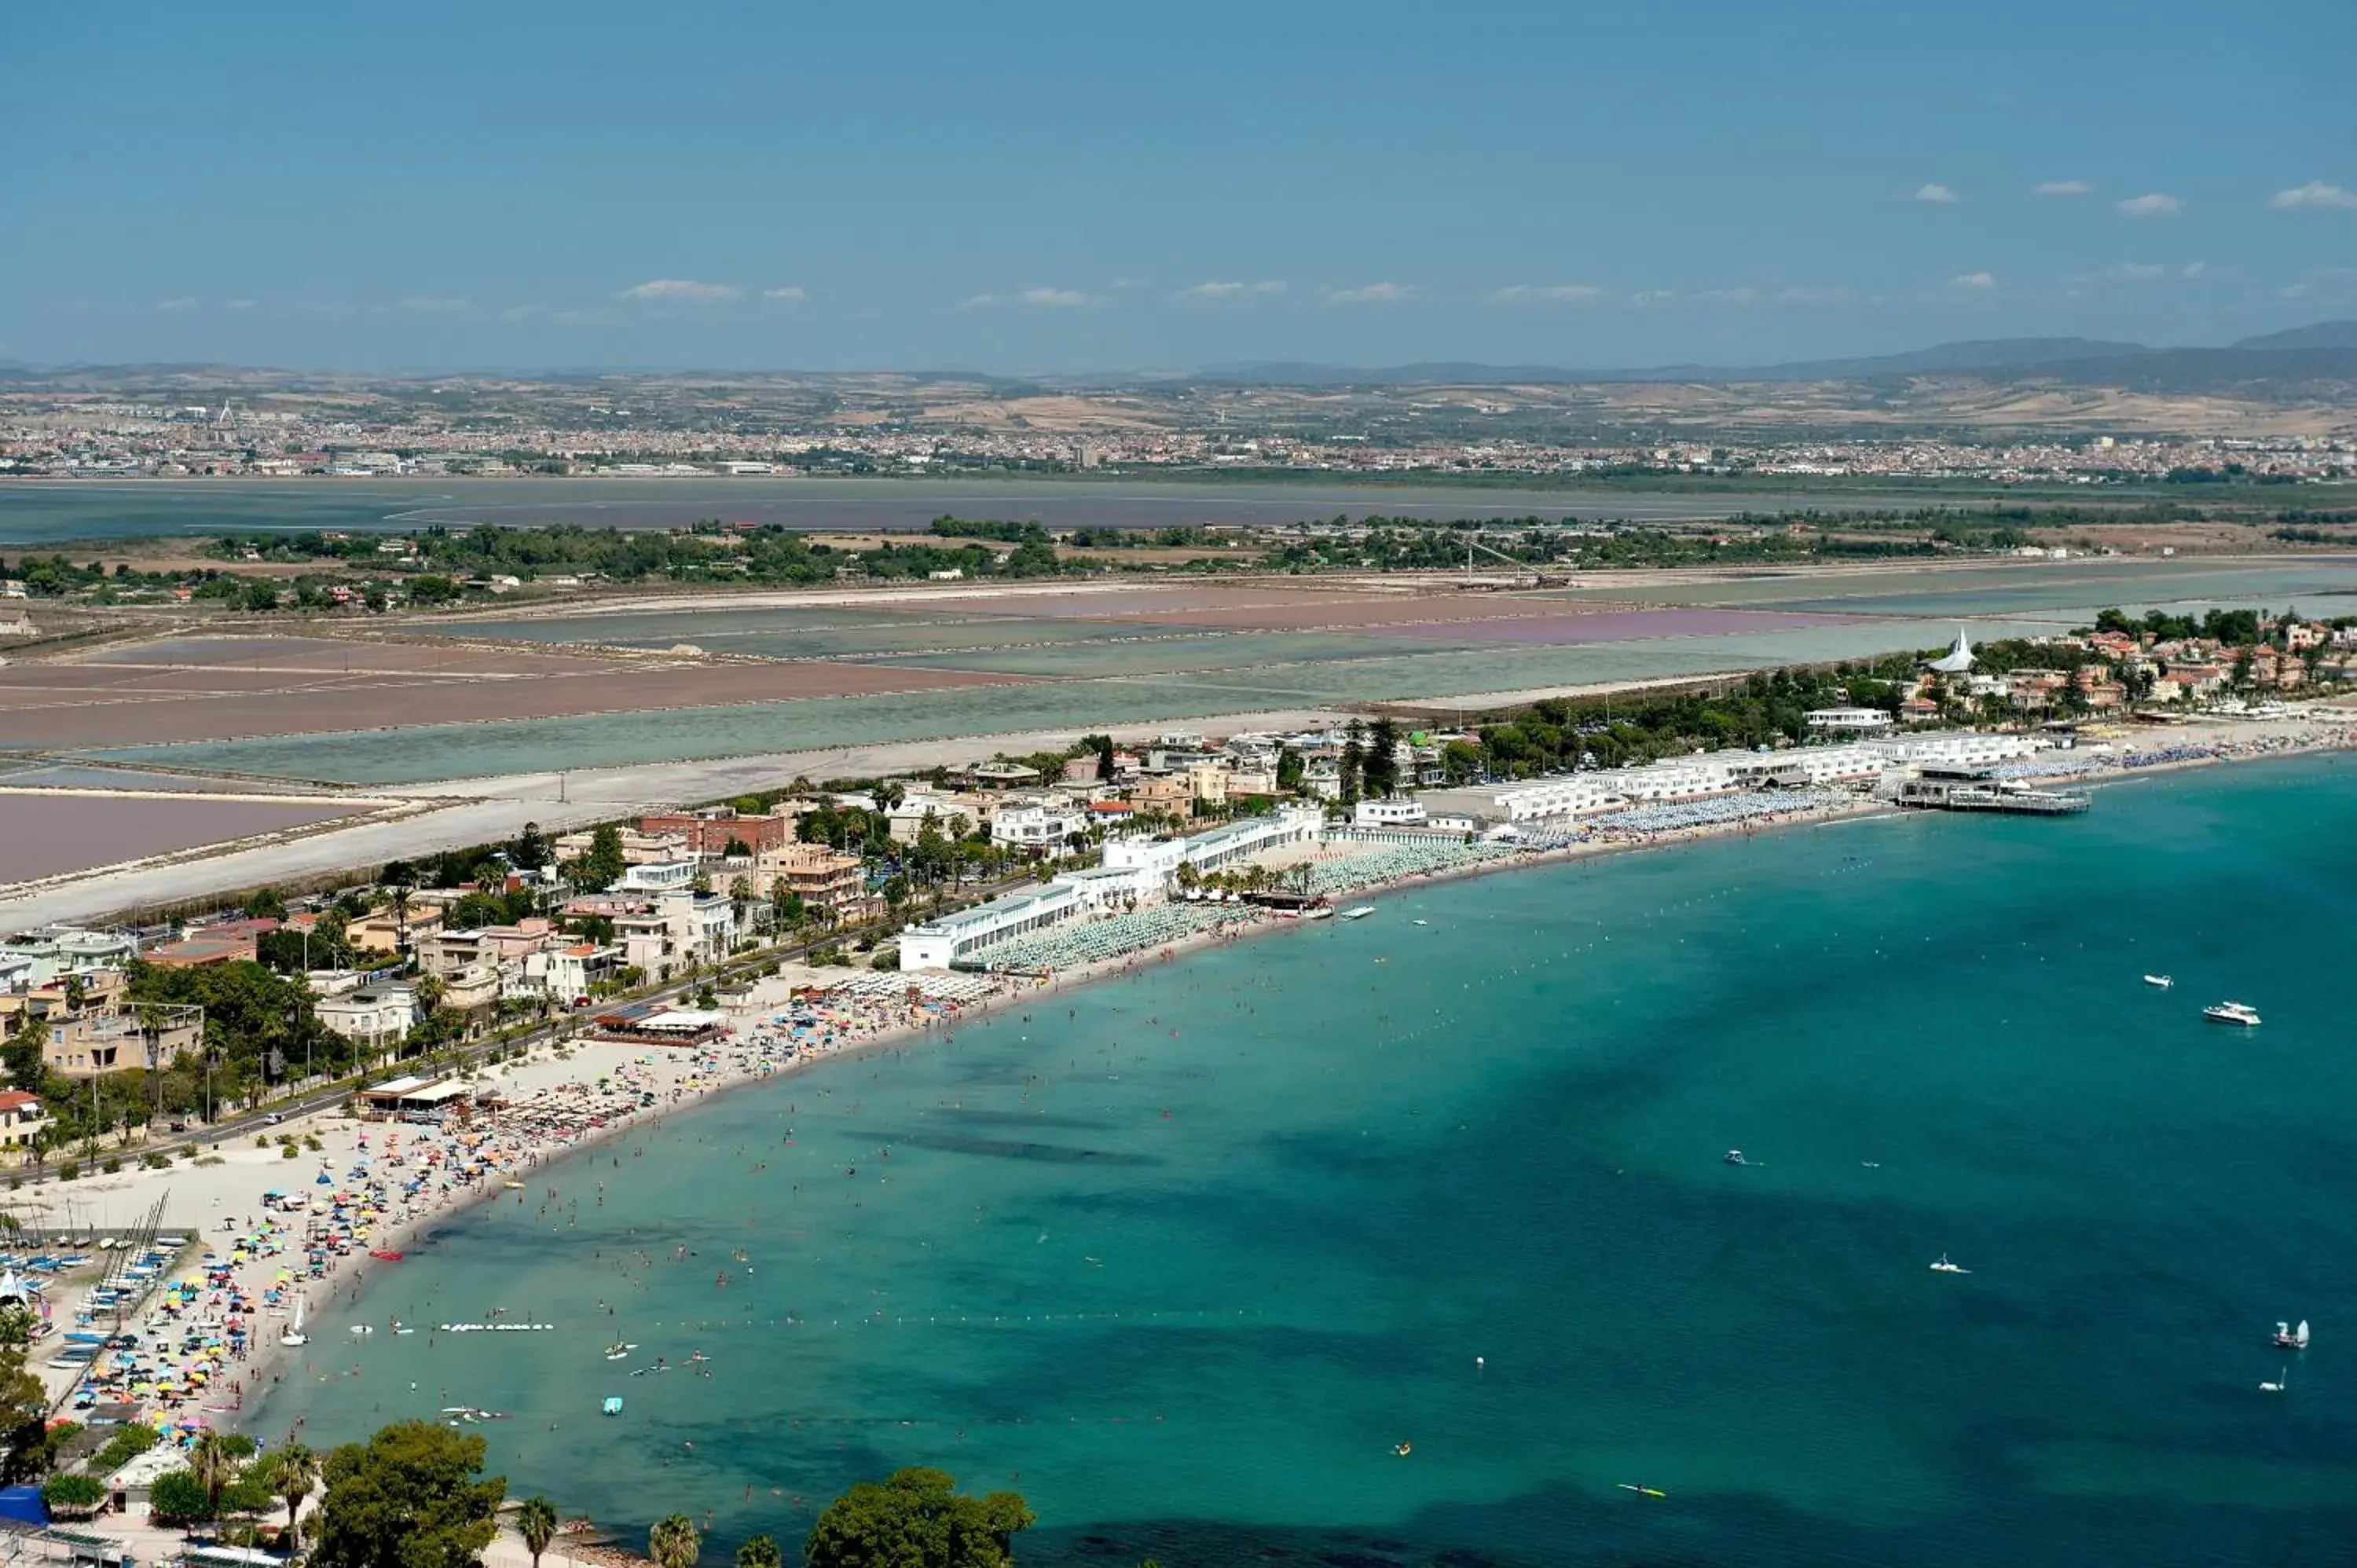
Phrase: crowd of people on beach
{"type": "Point", "coordinates": [213, 1333]}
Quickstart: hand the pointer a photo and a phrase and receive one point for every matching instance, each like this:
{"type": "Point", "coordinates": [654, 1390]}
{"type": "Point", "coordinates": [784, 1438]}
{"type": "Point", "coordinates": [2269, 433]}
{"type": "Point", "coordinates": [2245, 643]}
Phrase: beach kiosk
{"type": "Point", "coordinates": [408, 1097]}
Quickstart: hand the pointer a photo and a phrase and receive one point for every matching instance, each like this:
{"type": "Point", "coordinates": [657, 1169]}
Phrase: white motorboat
{"type": "Point", "coordinates": [1359, 912]}
{"type": "Point", "coordinates": [1321, 913]}
{"type": "Point", "coordinates": [1945, 1267]}
{"type": "Point", "coordinates": [2291, 1338]}
{"type": "Point", "coordinates": [2235, 1013]}
{"type": "Point", "coordinates": [293, 1335]}
{"type": "Point", "coordinates": [2163, 981]}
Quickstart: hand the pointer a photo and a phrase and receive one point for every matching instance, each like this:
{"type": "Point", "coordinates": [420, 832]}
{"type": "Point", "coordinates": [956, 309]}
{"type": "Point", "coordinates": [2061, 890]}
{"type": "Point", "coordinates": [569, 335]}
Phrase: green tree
{"type": "Point", "coordinates": [531, 851]}
{"type": "Point", "coordinates": [673, 1542]}
{"type": "Point", "coordinates": [1380, 766]}
{"type": "Point", "coordinates": [25, 1448]}
{"type": "Point", "coordinates": [291, 1470]}
{"type": "Point", "coordinates": [411, 1497]}
{"type": "Point", "coordinates": [177, 1497]}
{"type": "Point", "coordinates": [535, 1520]}
{"type": "Point", "coordinates": [1290, 766]}
{"type": "Point", "coordinates": [76, 1494]}
{"type": "Point", "coordinates": [916, 1519]}
{"type": "Point", "coordinates": [266, 904]}
{"type": "Point", "coordinates": [760, 1551]}
{"type": "Point", "coordinates": [26, 1054]}
{"type": "Point", "coordinates": [603, 865]}
{"type": "Point", "coordinates": [214, 1466]}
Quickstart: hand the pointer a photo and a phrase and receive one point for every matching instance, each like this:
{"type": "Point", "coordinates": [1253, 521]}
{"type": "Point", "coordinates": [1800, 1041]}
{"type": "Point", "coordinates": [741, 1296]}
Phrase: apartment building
{"type": "Point", "coordinates": [22, 1118]}
{"type": "Point", "coordinates": [709, 833]}
{"type": "Point", "coordinates": [822, 878]}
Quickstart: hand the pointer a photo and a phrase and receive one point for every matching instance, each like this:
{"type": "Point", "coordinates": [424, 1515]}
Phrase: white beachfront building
{"type": "Point", "coordinates": [1847, 720]}
{"type": "Point", "coordinates": [951, 939]}
{"type": "Point", "coordinates": [1955, 748]}
{"type": "Point", "coordinates": [1137, 871]}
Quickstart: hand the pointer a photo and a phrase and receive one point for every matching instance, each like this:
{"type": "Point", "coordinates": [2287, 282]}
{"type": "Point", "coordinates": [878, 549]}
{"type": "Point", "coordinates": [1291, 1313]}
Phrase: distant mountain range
{"type": "Point", "coordinates": [2325, 352]}
{"type": "Point", "coordinates": [2306, 364]}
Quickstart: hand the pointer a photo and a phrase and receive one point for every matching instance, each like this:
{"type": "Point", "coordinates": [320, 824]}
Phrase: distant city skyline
{"type": "Point", "coordinates": [1056, 187]}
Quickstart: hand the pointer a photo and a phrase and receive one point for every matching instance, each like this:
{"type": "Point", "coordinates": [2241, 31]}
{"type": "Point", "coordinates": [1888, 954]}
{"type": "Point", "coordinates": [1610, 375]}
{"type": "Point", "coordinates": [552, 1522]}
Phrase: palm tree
{"type": "Point", "coordinates": [214, 1467]}
{"type": "Point", "coordinates": [760, 1551]}
{"type": "Point", "coordinates": [673, 1542]}
{"type": "Point", "coordinates": [535, 1520]}
{"type": "Point", "coordinates": [294, 1470]}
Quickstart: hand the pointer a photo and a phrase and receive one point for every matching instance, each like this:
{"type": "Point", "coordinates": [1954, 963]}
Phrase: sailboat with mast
{"type": "Point", "coordinates": [2291, 1338]}
{"type": "Point", "coordinates": [292, 1336]}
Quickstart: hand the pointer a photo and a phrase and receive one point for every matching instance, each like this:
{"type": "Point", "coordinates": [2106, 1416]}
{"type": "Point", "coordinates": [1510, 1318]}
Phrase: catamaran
{"type": "Point", "coordinates": [1358, 913]}
{"type": "Point", "coordinates": [2291, 1338]}
{"type": "Point", "coordinates": [2232, 1013]}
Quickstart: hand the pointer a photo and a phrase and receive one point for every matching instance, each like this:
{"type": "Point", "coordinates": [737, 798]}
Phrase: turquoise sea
{"type": "Point", "coordinates": [1183, 1257]}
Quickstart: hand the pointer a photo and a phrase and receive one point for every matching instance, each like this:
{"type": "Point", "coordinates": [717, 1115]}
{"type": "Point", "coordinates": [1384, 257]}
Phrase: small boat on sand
{"type": "Point", "coordinates": [292, 1336]}
{"type": "Point", "coordinates": [384, 1255]}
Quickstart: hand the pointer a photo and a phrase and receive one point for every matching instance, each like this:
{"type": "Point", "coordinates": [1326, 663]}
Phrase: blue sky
{"type": "Point", "coordinates": [1050, 187]}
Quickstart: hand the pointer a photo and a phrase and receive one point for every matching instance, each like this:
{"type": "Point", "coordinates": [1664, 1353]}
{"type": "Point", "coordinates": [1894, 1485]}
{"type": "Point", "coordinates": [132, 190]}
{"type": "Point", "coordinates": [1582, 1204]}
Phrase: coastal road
{"type": "Point", "coordinates": [485, 810]}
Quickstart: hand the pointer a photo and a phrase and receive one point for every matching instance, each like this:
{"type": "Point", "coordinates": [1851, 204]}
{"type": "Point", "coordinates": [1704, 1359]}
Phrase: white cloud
{"type": "Point", "coordinates": [425, 305]}
{"type": "Point", "coordinates": [2152, 204]}
{"type": "Point", "coordinates": [1544, 293]}
{"type": "Point", "coordinates": [1371, 293]}
{"type": "Point", "coordinates": [1267, 288]}
{"type": "Point", "coordinates": [244, 304]}
{"type": "Point", "coordinates": [1744, 294]}
{"type": "Point", "coordinates": [175, 306]}
{"type": "Point", "coordinates": [1940, 194]}
{"type": "Point", "coordinates": [1057, 298]}
{"type": "Point", "coordinates": [2063, 188]}
{"type": "Point", "coordinates": [2194, 270]}
{"type": "Point", "coordinates": [2137, 272]}
{"type": "Point", "coordinates": [789, 292]}
{"type": "Point", "coordinates": [682, 288]}
{"type": "Point", "coordinates": [1981, 280]}
{"type": "Point", "coordinates": [977, 302]}
{"type": "Point", "coordinates": [2315, 193]}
